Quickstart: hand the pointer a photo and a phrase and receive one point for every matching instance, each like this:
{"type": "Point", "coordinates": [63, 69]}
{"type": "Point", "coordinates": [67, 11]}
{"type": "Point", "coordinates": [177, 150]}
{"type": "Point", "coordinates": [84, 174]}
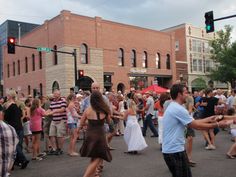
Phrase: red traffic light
{"type": "Point", "coordinates": [11, 42]}
{"type": "Point", "coordinates": [81, 73]}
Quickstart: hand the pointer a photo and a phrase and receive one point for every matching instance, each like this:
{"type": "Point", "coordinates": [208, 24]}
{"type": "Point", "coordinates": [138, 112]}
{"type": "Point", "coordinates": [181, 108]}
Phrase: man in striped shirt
{"type": "Point", "coordinates": [8, 142]}
{"type": "Point", "coordinates": [58, 124]}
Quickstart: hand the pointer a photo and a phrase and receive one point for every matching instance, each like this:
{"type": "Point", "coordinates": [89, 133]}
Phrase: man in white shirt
{"type": "Point", "coordinates": [149, 114]}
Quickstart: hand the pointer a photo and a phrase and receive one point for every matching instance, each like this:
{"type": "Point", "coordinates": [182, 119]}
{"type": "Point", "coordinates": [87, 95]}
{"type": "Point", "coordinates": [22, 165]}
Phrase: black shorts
{"type": "Point", "coordinates": [36, 132]}
{"type": "Point", "coordinates": [178, 164]}
{"type": "Point", "coordinates": [189, 132]}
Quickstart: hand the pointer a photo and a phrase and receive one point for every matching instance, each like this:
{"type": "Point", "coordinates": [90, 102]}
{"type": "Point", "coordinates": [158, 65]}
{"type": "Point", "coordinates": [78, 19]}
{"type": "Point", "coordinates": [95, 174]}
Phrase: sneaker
{"type": "Point", "coordinates": [37, 158]}
{"type": "Point", "coordinates": [74, 154]}
{"type": "Point", "coordinates": [58, 152]}
{"type": "Point", "coordinates": [43, 154]}
{"type": "Point", "coordinates": [210, 147]}
{"type": "Point", "coordinates": [213, 147]}
{"type": "Point", "coordinates": [24, 164]}
{"type": "Point", "coordinates": [51, 152]}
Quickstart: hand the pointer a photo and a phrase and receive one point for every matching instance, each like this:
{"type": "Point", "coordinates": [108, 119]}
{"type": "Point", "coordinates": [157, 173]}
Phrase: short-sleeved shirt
{"type": "Point", "coordinates": [159, 108]}
{"type": "Point", "coordinates": [12, 115]}
{"type": "Point", "coordinates": [58, 104]}
{"type": "Point", "coordinates": [199, 100]}
{"type": "Point", "coordinates": [36, 120]}
{"type": "Point", "coordinates": [150, 103]}
{"type": "Point", "coordinates": [86, 103]}
{"type": "Point", "coordinates": [8, 147]}
{"type": "Point", "coordinates": [175, 119]}
{"type": "Point", "coordinates": [230, 101]}
{"type": "Point", "coordinates": [210, 108]}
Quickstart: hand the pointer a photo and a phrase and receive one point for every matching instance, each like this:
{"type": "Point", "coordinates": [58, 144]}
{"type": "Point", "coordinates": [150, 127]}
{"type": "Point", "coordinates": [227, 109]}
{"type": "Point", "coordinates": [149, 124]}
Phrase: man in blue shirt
{"type": "Point", "coordinates": [175, 120]}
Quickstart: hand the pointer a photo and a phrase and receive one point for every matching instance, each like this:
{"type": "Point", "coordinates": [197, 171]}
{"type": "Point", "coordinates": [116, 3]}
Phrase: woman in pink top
{"type": "Point", "coordinates": [36, 114]}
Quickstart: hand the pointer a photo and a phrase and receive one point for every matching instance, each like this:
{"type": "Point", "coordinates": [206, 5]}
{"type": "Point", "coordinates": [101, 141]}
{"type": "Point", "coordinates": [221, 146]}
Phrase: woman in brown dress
{"type": "Point", "coordinates": [95, 144]}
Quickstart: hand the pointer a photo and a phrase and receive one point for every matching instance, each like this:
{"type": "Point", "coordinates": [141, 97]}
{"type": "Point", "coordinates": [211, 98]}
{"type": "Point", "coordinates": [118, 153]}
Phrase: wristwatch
{"type": "Point", "coordinates": [220, 117]}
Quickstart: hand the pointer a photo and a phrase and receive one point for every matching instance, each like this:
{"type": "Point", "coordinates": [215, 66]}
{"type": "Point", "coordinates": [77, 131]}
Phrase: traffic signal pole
{"type": "Point", "coordinates": [222, 18]}
{"type": "Point", "coordinates": [57, 51]}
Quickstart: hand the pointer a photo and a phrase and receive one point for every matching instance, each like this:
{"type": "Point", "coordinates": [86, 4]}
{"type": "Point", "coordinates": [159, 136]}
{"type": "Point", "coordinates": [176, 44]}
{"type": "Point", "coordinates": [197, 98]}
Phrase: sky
{"type": "Point", "coordinates": [153, 14]}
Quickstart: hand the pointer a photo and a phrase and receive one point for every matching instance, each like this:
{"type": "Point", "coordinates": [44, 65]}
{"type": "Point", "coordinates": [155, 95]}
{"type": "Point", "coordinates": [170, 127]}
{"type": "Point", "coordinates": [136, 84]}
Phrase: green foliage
{"type": "Point", "coordinates": [224, 53]}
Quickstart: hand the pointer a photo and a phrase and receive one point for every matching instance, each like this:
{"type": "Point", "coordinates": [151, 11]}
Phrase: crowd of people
{"type": "Point", "coordinates": [98, 117]}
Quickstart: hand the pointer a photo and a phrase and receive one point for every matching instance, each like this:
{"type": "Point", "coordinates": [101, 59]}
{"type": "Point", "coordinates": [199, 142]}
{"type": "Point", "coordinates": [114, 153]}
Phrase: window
{"type": "Point", "coordinates": [200, 67]}
{"type": "Point", "coordinates": [121, 57]}
{"type": "Point", "coordinates": [167, 61]}
{"type": "Point", "coordinates": [8, 70]}
{"type": "Point", "coordinates": [133, 58]}
{"type": "Point", "coordinates": [18, 66]}
{"type": "Point", "coordinates": [55, 55]}
{"type": "Point", "coordinates": [55, 86]}
{"type": "Point", "coordinates": [144, 63]}
{"type": "Point", "coordinates": [33, 62]}
{"type": "Point", "coordinates": [107, 78]}
{"type": "Point", "coordinates": [14, 68]}
{"type": "Point", "coordinates": [40, 60]}
{"type": "Point", "coordinates": [197, 65]}
{"type": "Point", "coordinates": [176, 45]}
{"type": "Point", "coordinates": [26, 65]}
{"type": "Point", "coordinates": [194, 65]}
{"type": "Point", "coordinates": [207, 47]}
{"type": "Point", "coordinates": [84, 54]}
{"type": "Point", "coordinates": [158, 61]}
{"type": "Point", "coordinates": [197, 45]}
{"type": "Point", "coordinates": [41, 89]}
{"type": "Point", "coordinates": [208, 65]}
{"type": "Point", "coordinates": [29, 90]}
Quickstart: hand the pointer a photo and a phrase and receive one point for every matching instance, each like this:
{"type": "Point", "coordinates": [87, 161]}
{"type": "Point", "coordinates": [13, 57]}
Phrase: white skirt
{"type": "Point", "coordinates": [233, 132]}
{"type": "Point", "coordinates": [160, 129]}
{"type": "Point", "coordinates": [133, 135]}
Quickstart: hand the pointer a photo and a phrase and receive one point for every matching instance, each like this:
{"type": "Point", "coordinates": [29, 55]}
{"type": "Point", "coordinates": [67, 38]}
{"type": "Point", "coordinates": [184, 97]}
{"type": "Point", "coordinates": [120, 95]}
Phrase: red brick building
{"type": "Point", "coordinates": [118, 56]}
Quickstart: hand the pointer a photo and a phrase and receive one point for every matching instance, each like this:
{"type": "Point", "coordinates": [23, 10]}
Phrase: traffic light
{"type": "Point", "coordinates": [209, 21]}
{"type": "Point", "coordinates": [11, 41]}
{"type": "Point", "coordinates": [81, 73]}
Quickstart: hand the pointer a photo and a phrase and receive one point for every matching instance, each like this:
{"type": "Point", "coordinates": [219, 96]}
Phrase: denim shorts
{"type": "Point", "coordinates": [72, 126]}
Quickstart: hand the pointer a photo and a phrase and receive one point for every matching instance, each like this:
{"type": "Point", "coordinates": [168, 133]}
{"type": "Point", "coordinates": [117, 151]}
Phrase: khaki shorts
{"type": "Point", "coordinates": [46, 125]}
{"type": "Point", "coordinates": [58, 129]}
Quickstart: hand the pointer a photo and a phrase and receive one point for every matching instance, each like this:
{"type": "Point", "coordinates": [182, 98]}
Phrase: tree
{"type": "Point", "coordinates": [224, 53]}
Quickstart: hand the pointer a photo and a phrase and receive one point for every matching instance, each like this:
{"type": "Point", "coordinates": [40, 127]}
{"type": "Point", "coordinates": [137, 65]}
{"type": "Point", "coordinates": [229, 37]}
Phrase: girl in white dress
{"type": "Point", "coordinates": [133, 134]}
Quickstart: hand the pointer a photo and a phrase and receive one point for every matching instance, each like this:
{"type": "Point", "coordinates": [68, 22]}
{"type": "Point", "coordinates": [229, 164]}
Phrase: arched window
{"type": "Point", "coordinates": [40, 60]}
{"type": "Point", "coordinates": [8, 70]}
{"type": "Point", "coordinates": [120, 57]}
{"type": "Point", "coordinates": [41, 89]}
{"type": "Point", "coordinates": [144, 62]}
{"type": "Point", "coordinates": [29, 90]}
{"type": "Point", "coordinates": [33, 62]}
{"type": "Point", "coordinates": [18, 67]}
{"type": "Point", "coordinates": [55, 86]}
{"type": "Point", "coordinates": [14, 68]}
{"type": "Point", "coordinates": [26, 65]}
{"type": "Point", "coordinates": [158, 61]}
{"type": "Point", "coordinates": [55, 55]}
{"type": "Point", "coordinates": [84, 54]}
{"type": "Point", "coordinates": [167, 61]}
{"type": "Point", "coordinates": [133, 58]}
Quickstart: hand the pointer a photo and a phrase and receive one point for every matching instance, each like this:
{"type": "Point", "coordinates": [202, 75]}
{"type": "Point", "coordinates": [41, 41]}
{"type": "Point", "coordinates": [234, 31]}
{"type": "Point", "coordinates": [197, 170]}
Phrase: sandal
{"type": "Point", "coordinates": [99, 168]}
{"type": "Point", "coordinates": [98, 172]}
{"type": "Point", "coordinates": [229, 156]}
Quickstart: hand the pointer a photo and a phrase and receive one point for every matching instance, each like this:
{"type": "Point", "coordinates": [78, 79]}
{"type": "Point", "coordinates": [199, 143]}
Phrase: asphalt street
{"type": "Point", "coordinates": [149, 163]}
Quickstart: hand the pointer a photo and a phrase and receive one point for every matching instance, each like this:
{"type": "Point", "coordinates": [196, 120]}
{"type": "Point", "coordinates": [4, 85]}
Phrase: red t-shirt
{"type": "Point", "coordinates": [36, 120]}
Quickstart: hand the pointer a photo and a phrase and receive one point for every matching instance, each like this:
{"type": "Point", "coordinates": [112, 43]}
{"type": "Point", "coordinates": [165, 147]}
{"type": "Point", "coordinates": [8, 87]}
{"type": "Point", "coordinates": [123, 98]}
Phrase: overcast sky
{"type": "Point", "coordinates": [154, 14]}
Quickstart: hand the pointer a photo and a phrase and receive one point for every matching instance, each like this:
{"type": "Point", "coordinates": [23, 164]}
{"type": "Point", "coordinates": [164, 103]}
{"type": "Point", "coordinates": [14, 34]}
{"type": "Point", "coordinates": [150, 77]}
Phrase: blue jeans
{"type": "Point", "coordinates": [148, 122]}
{"type": "Point", "coordinates": [20, 157]}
